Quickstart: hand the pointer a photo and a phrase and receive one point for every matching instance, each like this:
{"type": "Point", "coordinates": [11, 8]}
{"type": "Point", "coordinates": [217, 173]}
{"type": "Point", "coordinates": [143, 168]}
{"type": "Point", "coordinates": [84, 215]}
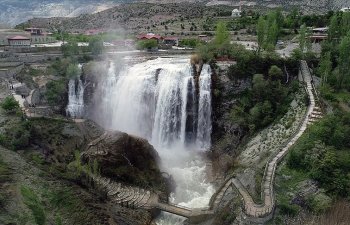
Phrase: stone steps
{"type": "Point", "coordinates": [314, 114]}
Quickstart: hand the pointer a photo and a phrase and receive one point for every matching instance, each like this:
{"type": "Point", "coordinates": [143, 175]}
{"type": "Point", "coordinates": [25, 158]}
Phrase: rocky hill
{"type": "Point", "coordinates": [142, 16]}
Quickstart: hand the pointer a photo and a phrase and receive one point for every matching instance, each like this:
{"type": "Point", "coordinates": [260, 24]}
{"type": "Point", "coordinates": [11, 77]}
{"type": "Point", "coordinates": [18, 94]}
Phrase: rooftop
{"type": "Point", "coordinates": [18, 38]}
{"type": "Point", "coordinates": [149, 36]}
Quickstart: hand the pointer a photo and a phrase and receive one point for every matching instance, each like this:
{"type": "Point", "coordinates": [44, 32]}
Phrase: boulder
{"type": "Point", "coordinates": [125, 158]}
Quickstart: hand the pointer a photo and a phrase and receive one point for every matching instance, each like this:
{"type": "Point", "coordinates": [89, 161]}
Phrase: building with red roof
{"type": "Point", "coordinates": [19, 41]}
{"type": "Point", "coordinates": [150, 36]}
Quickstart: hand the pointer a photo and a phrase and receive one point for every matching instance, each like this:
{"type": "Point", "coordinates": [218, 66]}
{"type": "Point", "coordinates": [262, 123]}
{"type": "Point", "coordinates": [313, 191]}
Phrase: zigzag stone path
{"type": "Point", "coordinates": [252, 209]}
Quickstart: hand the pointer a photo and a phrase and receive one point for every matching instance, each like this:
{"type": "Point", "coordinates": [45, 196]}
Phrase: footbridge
{"type": "Point", "coordinates": [134, 197]}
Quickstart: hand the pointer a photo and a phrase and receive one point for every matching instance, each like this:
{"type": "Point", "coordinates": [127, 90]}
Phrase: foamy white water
{"type": "Point", "coordinates": [75, 107]}
{"type": "Point", "coordinates": [156, 100]}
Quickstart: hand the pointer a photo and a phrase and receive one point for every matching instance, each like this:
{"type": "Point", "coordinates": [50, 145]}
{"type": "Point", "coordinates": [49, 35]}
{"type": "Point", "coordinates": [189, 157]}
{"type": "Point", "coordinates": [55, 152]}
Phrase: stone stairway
{"type": "Point", "coordinates": [128, 196]}
{"type": "Point", "coordinates": [263, 212]}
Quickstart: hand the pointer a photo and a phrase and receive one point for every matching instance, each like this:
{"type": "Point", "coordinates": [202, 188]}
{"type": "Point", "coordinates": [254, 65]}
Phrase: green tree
{"type": "Point", "coordinates": [222, 35]}
{"type": "Point", "coordinates": [56, 91]}
{"type": "Point", "coordinates": [10, 104]}
{"type": "Point", "coordinates": [344, 62]}
{"type": "Point", "coordinates": [72, 71]}
{"type": "Point", "coordinates": [334, 29]}
{"type": "Point", "coordinates": [261, 32]}
{"type": "Point", "coordinates": [302, 38]}
{"type": "Point", "coordinates": [325, 67]}
{"type": "Point", "coordinates": [345, 23]}
{"type": "Point", "coordinates": [274, 23]}
{"type": "Point", "coordinates": [70, 48]}
{"type": "Point", "coordinates": [259, 87]}
{"type": "Point", "coordinates": [147, 44]}
{"type": "Point", "coordinates": [275, 73]}
{"type": "Point", "coordinates": [96, 46]}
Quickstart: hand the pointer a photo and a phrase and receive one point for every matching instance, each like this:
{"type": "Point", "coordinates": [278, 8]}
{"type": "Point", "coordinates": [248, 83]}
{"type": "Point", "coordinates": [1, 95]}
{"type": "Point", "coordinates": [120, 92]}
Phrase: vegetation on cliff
{"type": "Point", "coordinates": [322, 154]}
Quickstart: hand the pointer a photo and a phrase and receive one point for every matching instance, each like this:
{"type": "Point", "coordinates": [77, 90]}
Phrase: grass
{"type": "Point", "coordinates": [32, 201]}
{"type": "Point", "coordinates": [5, 176]}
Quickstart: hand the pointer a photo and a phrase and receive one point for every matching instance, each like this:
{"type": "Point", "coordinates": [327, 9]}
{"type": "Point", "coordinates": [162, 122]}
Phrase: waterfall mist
{"type": "Point", "coordinates": [157, 100]}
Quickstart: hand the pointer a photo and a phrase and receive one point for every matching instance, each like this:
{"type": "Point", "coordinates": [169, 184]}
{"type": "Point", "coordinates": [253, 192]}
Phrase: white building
{"type": "Point", "coordinates": [345, 9]}
{"type": "Point", "coordinates": [236, 13]}
{"type": "Point", "coordinates": [19, 41]}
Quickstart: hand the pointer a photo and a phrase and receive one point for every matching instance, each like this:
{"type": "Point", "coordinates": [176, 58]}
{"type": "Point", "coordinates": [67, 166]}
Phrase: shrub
{"type": "Point", "coordinates": [319, 203]}
{"type": "Point", "coordinates": [10, 104]}
{"type": "Point", "coordinates": [96, 46]}
{"type": "Point", "coordinates": [288, 209]}
{"type": "Point", "coordinates": [191, 42]}
{"type": "Point", "coordinates": [147, 44]}
{"type": "Point", "coordinates": [55, 92]}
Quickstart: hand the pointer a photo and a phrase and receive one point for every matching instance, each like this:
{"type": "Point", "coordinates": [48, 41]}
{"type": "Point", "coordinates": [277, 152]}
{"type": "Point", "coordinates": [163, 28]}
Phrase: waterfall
{"type": "Point", "coordinates": [156, 100]}
{"type": "Point", "coordinates": [204, 109]}
{"type": "Point", "coordinates": [75, 107]}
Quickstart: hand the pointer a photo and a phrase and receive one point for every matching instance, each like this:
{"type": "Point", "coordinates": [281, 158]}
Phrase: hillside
{"type": "Point", "coordinates": [142, 17]}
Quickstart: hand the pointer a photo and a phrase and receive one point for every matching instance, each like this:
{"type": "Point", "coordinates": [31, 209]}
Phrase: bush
{"type": "Point", "coordinates": [16, 136]}
{"type": "Point", "coordinates": [324, 150]}
{"type": "Point", "coordinates": [55, 92]}
{"type": "Point", "coordinates": [96, 46]}
{"type": "Point", "coordinates": [191, 42]}
{"type": "Point", "coordinates": [72, 71]}
{"type": "Point", "coordinates": [288, 209]}
{"type": "Point", "coordinates": [147, 44]}
{"type": "Point", "coordinates": [319, 203]}
{"type": "Point", "coordinates": [10, 104]}
{"type": "Point", "coordinates": [70, 48]}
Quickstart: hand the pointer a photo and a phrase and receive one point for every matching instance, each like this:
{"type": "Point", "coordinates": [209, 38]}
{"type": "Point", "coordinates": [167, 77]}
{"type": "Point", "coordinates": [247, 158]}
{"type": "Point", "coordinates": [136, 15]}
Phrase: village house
{"type": "Point", "coordinates": [236, 13]}
{"type": "Point", "coordinates": [39, 37]}
{"type": "Point", "coordinates": [19, 41]}
{"type": "Point", "coordinates": [173, 41]}
{"type": "Point", "coordinates": [150, 36]}
{"type": "Point", "coordinates": [319, 34]}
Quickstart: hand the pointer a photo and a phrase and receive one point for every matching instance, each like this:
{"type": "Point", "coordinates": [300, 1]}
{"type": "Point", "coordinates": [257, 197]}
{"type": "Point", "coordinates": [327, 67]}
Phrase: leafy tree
{"type": "Point", "coordinates": [221, 35]}
{"type": "Point", "coordinates": [70, 48]}
{"type": "Point", "coordinates": [261, 32]}
{"type": "Point", "coordinates": [345, 23]}
{"type": "Point", "coordinates": [334, 29]}
{"type": "Point", "coordinates": [302, 38]}
{"type": "Point", "coordinates": [72, 71]}
{"type": "Point", "coordinates": [55, 92]}
{"type": "Point", "coordinates": [147, 44]}
{"type": "Point", "coordinates": [96, 46]}
{"type": "Point", "coordinates": [259, 86]}
{"type": "Point", "coordinates": [275, 73]}
{"type": "Point", "coordinates": [325, 67]}
{"type": "Point", "coordinates": [344, 62]}
{"type": "Point", "coordinates": [10, 104]}
{"type": "Point", "coordinates": [272, 33]}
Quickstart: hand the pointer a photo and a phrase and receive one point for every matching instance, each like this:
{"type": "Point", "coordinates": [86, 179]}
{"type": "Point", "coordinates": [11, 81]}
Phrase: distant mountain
{"type": "Point", "coordinates": [13, 12]}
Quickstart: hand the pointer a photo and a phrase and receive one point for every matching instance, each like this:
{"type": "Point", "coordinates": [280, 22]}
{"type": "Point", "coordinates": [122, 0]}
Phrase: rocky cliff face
{"type": "Point", "coordinates": [227, 135]}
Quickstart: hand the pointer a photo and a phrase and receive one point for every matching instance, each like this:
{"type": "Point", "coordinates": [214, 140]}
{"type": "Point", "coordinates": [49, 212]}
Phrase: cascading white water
{"type": "Point", "coordinates": [156, 100]}
{"type": "Point", "coordinates": [75, 107]}
{"type": "Point", "coordinates": [204, 109]}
